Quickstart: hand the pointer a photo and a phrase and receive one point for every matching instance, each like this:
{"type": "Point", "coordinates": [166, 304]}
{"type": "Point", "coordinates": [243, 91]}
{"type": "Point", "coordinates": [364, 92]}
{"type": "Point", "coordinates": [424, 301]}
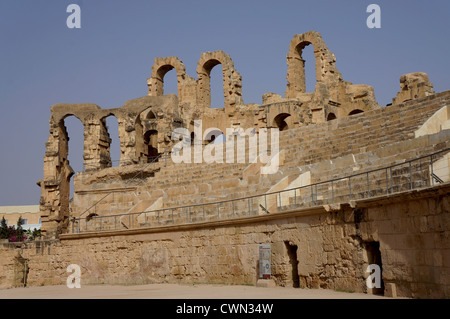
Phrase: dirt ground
{"type": "Point", "coordinates": [175, 291]}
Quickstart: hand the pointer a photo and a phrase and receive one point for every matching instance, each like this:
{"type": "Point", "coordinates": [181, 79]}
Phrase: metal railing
{"type": "Point", "coordinates": [412, 174]}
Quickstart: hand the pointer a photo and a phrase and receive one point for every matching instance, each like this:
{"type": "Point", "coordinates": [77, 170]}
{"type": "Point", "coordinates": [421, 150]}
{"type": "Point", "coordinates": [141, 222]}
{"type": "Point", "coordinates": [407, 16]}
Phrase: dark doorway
{"type": "Point", "coordinates": [151, 140]}
{"type": "Point", "coordinates": [293, 261]}
{"type": "Point", "coordinates": [374, 257]}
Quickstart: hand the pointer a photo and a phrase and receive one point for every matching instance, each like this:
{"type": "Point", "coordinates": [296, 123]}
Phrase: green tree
{"type": "Point", "coordinates": [4, 233]}
{"type": "Point", "coordinates": [19, 230]}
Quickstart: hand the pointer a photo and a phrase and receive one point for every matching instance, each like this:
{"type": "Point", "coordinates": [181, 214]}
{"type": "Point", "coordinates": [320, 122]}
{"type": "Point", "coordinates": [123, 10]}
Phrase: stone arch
{"type": "Point", "coordinates": [282, 122]}
{"type": "Point", "coordinates": [325, 60]}
{"type": "Point", "coordinates": [159, 69]}
{"type": "Point", "coordinates": [232, 80]}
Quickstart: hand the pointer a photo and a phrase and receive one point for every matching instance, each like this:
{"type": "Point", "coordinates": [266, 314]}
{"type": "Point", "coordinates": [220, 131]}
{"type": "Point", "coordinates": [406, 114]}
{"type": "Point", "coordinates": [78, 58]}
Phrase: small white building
{"type": "Point", "coordinates": [30, 214]}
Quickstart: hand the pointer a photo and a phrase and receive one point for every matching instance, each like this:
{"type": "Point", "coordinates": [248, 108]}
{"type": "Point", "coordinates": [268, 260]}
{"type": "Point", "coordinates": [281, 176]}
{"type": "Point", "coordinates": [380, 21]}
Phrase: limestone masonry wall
{"type": "Point", "coordinates": [333, 249]}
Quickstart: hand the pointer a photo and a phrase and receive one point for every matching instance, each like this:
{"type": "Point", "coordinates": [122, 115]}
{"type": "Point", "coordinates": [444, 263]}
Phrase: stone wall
{"type": "Point", "coordinates": [332, 249]}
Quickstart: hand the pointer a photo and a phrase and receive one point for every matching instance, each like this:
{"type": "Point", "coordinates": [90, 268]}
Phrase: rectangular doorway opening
{"type": "Point", "coordinates": [293, 261]}
{"type": "Point", "coordinates": [374, 257]}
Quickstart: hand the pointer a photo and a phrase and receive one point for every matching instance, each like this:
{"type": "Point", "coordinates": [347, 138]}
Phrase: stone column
{"type": "Point", "coordinates": [96, 144]}
{"type": "Point", "coordinates": [127, 136]}
{"type": "Point", "coordinates": [55, 187]}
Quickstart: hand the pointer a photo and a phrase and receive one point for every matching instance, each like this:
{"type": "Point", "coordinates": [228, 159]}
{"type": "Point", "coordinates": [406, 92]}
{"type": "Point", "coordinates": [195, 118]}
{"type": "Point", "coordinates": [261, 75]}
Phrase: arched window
{"type": "Point", "coordinates": [280, 121]}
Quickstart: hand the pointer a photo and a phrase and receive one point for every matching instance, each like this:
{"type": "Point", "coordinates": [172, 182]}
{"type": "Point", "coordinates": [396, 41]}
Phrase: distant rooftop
{"type": "Point", "coordinates": [19, 209]}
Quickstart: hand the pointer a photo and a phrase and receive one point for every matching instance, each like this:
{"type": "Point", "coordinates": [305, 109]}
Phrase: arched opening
{"type": "Point", "coordinates": [151, 143]}
{"type": "Point", "coordinates": [216, 87]}
{"type": "Point", "coordinates": [356, 111]}
{"type": "Point", "coordinates": [212, 134]}
{"type": "Point", "coordinates": [309, 62]}
{"type": "Point", "coordinates": [280, 121]}
{"type": "Point", "coordinates": [305, 67]}
{"type": "Point", "coordinates": [293, 261]}
{"type": "Point", "coordinates": [73, 131]}
{"type": "Point", "coordinates": [211, 95]}
{"type": "Point", "coordinates": [168, 83]}
{"type": "Point", "coordinates": [331, 116]}
{"type": "Point", "coordinates": [151, 116]}
{"type": "Point", "coordinates": [112, 126]}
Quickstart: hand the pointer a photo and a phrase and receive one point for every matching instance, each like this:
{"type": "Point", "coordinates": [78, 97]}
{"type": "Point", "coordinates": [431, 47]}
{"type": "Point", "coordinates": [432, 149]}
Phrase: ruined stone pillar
{"type": "Point", "coordinates": [128, 137]}
{"type": "Point", "coordinates": [96, 144]}
{"type": "Point", "coordinates": [55, 187]}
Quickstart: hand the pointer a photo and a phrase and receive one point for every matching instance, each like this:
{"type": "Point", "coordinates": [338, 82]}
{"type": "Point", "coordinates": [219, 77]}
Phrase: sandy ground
{"type": "Point", "coordinates": [175, 291]}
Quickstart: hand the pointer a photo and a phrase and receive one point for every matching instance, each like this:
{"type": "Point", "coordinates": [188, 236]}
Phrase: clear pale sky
{"type": "Point", "coordinates": [107, 61]}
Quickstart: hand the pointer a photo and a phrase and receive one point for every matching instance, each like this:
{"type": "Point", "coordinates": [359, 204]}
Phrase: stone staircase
{"type": "Point", "coordinates": [323, 152]}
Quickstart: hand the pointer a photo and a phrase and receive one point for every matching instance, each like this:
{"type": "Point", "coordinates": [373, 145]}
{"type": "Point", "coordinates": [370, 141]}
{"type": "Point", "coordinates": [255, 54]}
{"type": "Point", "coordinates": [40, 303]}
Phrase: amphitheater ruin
{"type": "Point", "coordinates": [357, 184]}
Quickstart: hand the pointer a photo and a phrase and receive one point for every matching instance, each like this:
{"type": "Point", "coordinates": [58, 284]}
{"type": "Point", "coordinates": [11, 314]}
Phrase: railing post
{"type": "Point", "coordinates": [390, 172]}
{"type": "Point", "coordinates": [332, 192]}
{"type": "Point", "coordinates": [203, 206]}
{"type": "Point", "coordinates": [232, 204]}
{"type": "Point", "coordinates": [312, 194]}
{"type": "Point", "coordinates": [218, 211]}
{"type": "Point", "coordinates": [187, 214]}
{"type": "Point", "coordinates": [350, 186]}
{"type": "Point", "coordinates": [279, 197]}
{"type": "Point", "coordinates": [387, 184]}
{"type": "Point", "coordinates": [173, 222]}
{"type": "Point", "coordinates": [432, 173]}
{"type": "Point", "coordinates": [316, 194]}
{"type": "Point", "coordinates": [368, 185]}
{"type": "Point", "coordinates": [410, 176]}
